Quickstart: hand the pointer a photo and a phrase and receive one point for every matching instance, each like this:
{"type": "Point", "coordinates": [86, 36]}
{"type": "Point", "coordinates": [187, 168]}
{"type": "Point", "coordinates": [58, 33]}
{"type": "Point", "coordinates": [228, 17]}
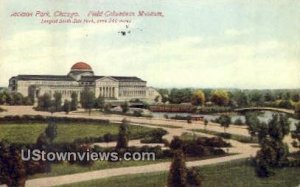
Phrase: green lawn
{"type": "Point", "coordinates": [66, 168]}
{"type": "Point", "coordinates": [167, 126]}
{"type": "Point", "coordinates": [240, 138]}
{"type": "Point", "coordinates": [236, 173]}
{"type": "Point", "coordinates": [28, 133]}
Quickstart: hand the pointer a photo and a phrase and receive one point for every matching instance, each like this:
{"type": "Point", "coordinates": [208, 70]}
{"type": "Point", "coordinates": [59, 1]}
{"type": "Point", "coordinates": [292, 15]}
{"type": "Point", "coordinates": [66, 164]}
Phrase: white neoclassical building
{"type": "Point", "coordinates": [81, 76]}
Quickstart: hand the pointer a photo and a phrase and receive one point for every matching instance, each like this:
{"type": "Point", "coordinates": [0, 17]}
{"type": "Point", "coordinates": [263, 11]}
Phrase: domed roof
{"type": "Point", "coordinates": [81, 66]}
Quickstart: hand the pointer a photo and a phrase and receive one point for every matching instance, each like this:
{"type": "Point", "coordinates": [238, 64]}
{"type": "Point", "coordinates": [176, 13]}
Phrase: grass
{"type": "Point", "coordinates": [189, 136]}
{"type": "Point", "coordinates": [167, 126]}
{"type": "Point", "coordinates": [240, 138]}
{"type": "Point", "coordinates": [66, 168]}
{"type": "Point", "coordinates": [236, 173]}
{"type": "Point", "coordinates": [28, 133]}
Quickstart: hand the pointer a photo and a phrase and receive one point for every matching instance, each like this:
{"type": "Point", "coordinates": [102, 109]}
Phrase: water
{"type": "Point", "coordinates": [265, 116]}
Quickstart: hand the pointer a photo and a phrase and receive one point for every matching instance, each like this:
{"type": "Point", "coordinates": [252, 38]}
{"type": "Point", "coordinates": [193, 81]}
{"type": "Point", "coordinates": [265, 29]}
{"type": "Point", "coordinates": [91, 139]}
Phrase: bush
{"type": "Point", "coordinates": [214, 109]}
{"type": "Point", "coordinates": [155, 136]}
{"type": "Point", "coordinates": [238, 121]}
{"type": "Point", "coordinates": [180, 117]}
{"type": "Point", "coordinates": [193, 177]}
{"type": "Point", "coordinates": [41, 119]}
{"type": "Point", "coordinates": [225, 135]}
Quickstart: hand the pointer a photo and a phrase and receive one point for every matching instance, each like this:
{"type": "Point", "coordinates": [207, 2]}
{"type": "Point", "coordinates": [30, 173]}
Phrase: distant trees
{"type": "Point", "coordinates": [15, 98]}
{"type": "Point", "coordinates": [269, 97]}
{"type": "Point", "coordinates": [122, 141]}
{"type": "Point", "coordinates": [256, 98]}
{"type": "Point", "coordinates": [198, 98]}
{"type": "Point", "coordinates": [178, 96]}
{"type": "Point", "coordinates": [285, 104]}
{"type": "Point", "coordinates": [220, 97]}
{"type": "Point", "coordinates": [241, 98]}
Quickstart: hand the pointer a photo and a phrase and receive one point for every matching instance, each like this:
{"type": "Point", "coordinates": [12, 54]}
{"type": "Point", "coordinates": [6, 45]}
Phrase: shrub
{"type": "Point", "coordinates": [238, 121]}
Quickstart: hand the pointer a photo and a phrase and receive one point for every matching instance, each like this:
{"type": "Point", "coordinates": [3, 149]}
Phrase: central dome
{"type": "Point", "coordinates": [81, 66]}
{"type": "Point", "coordinates": [80, 69]}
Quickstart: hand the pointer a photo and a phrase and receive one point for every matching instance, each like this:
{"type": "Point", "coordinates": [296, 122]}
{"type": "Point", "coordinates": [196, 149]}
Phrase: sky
{"type": "Point", "coordinates": [247, 44]}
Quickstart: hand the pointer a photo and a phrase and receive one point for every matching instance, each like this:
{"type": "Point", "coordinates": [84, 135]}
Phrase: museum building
{"type": "Point", "coordinates": [81, 76]}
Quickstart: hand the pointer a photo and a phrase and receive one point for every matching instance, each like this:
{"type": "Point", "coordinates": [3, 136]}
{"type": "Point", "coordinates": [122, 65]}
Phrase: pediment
{"type": "Point", "coordinates": [107, 79]}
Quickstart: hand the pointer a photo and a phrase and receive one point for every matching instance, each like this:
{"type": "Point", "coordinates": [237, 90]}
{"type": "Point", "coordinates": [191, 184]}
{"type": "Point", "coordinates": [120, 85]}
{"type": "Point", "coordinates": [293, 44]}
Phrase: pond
{"type": "Point", "coordinates": [264, 116]}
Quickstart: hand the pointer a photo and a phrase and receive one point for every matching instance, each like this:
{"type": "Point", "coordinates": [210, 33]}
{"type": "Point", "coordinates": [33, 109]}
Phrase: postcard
{"type": "Point", "coordinates": [149, 93]}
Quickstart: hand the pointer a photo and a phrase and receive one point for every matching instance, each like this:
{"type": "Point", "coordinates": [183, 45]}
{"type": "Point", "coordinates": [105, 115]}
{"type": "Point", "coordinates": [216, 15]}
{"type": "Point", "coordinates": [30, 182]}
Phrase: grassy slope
{"type": "Point", "coordinates": [28, 133]}
{"type": "Point", "coordinates": [240, 138]}
{"type": "Point", "coordinates": [66, 168]}
{"type": "Point", "coordinates": [237, 173]}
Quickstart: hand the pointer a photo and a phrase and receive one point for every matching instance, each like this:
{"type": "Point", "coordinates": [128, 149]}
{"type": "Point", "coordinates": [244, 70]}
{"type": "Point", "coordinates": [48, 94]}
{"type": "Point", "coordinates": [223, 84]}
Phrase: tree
{"type": "Point", "coordinates": [269, 97]}
{"type": "Point", "coordinates": [122, 142]}
{"type": "Point", "coordinates": [241, 98]}
{"type": "Point", "coordinates": [99, 103]}
{"type": "Point", "coordinates": [198, 98]}
{"type": "Point", "coordinates": [67, 106]}
{"type": "Point", "coordinates": [256, 98]}
{"type": "Point", "coordinates": [176, 143]}
{"type": "Point", "coordinates": [205, 123]}
{"type": "Point", "coordinates": [44, 102]}
{"type": "Point", "coordinates": [12, 167]}
{"type": "Point", "coordinates": [17, 98]}
{"type": "Point", "coordinates": [264, 159]}
{"type": "Point", "coordinates": [194, 179]}
{"type": "Point", "coordinates": [178, 172]}
{"type": "Point", "coordinates": [273, 152]}
{"type": "Point", "coordinates": [296, 136]}
{"type": "Point", "coordinates": [253, 124]}
{"type": "Point", "coordinates": [225, 121]}
{"type": "Point", "coordinates": [108, 137]}
{"type": "Point", "coordinates": [296, 98]}
{"type": "Point", "coordinates": [285, 104]}
{"type": "Point", "coordinates": [51, 131]}
{"type": "Point", "coordinates": [178, 96]}
{"type": "Point", "coordinates": [297, 110]}
{"type": "Point", "coordinates": [125, 107]}
{"type": "Point", "coordinates": [57, 101]}
{"type": "Point", "coordinates": [87, 99]}
{"type": "Point", "coordinates": [220, 97]}
{"type": "Point", "coordinates": [74, 101]}
{"type": "Point", "coordinates": [157, 99]}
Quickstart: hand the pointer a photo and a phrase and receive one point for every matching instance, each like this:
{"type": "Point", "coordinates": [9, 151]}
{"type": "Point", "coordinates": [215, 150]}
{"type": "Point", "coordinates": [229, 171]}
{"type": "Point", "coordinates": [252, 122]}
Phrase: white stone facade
{"type": "Point", "coordinates": [80, 77]}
